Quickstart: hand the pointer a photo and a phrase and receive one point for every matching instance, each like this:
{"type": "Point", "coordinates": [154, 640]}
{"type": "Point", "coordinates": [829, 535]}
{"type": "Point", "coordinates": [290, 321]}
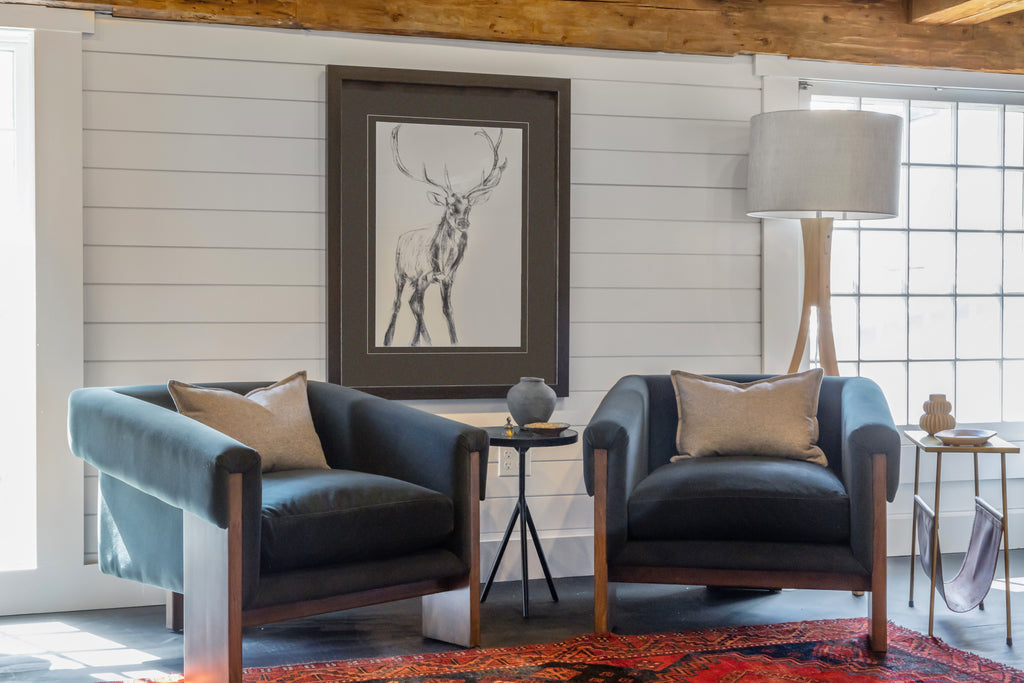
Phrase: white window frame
{"type": "Point", "coordinates": [781, 286]}
{"type": "Point", "coordinates": [61, 580]}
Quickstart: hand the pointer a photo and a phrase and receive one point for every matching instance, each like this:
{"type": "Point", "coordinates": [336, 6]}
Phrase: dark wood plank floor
{"type": "Point", "coordinates": [106, 644]}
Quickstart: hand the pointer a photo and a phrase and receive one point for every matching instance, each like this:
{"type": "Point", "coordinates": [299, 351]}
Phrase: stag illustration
{"type": "Point", "coordinates": [429, 255]}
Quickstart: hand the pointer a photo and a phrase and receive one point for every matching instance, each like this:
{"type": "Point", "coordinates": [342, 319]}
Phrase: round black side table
{"type": "Point", "coordinates": [523, 440]}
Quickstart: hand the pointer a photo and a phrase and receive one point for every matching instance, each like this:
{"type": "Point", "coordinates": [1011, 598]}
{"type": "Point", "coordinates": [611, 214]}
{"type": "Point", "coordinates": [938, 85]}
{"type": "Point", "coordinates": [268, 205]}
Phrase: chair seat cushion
{"type": "Point", "coordinates": [314, 518]}
{"type": "Point", "coordinates": [740, 498]}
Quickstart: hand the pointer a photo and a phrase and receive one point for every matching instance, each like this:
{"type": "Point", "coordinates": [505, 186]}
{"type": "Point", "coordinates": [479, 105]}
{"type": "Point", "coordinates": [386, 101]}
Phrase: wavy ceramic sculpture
{"type": "Point", "coordinates": [530, 401]}
{"type": "Point", "coordinates": [937, 414]}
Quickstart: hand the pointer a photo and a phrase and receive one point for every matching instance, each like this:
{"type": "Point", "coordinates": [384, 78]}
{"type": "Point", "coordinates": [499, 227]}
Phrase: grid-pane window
{"type": "Point", "coordinates": [17, 303]}
{"type": "Point", "coordinates": [932, 301]}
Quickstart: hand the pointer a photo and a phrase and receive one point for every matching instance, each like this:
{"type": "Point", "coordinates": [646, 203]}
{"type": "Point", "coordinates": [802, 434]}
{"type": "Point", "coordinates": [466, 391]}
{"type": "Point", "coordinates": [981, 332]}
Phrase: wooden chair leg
{"type": "Point", "coordinates": [174, 608]}
{"type": "Point", "coordinates": [454, 616]}
{"type": "Point", "coordinates": [878, 636]}
{"type": "Point", "coordinates": [213, 594]}
{"type": "Point", "coordinates": [604, 593]}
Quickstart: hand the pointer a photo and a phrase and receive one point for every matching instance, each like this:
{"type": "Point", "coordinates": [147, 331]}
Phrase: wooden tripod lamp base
{"type": "Point", "coordinates": [817, 234]}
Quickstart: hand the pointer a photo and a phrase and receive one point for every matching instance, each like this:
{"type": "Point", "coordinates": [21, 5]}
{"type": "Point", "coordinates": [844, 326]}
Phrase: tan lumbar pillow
{"type": "Point", "coordinates": [776, 416]}
{"type": "Point", "coordinates": [274, 421]}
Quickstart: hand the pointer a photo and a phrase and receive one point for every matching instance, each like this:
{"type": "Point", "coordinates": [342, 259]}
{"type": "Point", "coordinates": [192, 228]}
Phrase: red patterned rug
{"type": "Point", "coordinates": [799, 652]}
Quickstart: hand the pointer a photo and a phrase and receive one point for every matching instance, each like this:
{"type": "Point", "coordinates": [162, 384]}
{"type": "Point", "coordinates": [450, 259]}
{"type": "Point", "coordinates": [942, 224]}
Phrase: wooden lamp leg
{"type": "Point", "coordinates": [817, 239]}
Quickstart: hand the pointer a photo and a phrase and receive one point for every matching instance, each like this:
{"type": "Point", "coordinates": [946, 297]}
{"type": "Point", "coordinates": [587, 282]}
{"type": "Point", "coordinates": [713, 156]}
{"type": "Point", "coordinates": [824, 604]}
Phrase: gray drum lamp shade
{"type": "Point", "coordinates": [808, 164]}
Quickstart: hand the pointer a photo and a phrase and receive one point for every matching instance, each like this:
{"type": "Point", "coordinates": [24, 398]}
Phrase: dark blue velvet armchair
{"type": "Point", "coordinates": [187, 508]}
{"type": "Point", "coordinates": [740, 520]}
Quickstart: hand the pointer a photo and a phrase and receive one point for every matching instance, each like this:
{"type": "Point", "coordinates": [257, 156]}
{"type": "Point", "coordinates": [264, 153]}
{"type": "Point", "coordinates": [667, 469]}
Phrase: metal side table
{"type": "Point", "coordinates": [523, 440]}
{"type": "Point", "coordinates": [930, 444]}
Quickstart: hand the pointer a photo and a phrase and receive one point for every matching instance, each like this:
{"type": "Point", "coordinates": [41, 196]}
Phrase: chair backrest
{"type": "Point", "coordinates": [664, 418]}
{"type": "Point", "coordinates": [158, 394]}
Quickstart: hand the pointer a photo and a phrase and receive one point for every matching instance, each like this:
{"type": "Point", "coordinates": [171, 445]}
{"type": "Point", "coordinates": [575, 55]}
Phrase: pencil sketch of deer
{"type": "Point", "coordinates": [429, 255]}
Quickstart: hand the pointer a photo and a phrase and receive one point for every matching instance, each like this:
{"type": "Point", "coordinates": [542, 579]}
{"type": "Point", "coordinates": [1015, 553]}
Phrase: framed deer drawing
{"type": "Point", "coordinates": [447, 232]}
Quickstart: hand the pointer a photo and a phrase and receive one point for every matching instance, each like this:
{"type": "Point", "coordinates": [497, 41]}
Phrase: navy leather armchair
{"type": "Point", "coordinates": [741, 520]}
{"type": "Point", "coordinates": [187, 508]}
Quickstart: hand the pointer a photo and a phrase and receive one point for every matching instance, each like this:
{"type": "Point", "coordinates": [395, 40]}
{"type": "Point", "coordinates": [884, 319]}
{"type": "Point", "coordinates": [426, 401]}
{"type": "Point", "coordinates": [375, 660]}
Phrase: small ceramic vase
{"type": "Point", "coordinates": [937, 414]}
{"type": "Point", "coordinates": [531, 401]}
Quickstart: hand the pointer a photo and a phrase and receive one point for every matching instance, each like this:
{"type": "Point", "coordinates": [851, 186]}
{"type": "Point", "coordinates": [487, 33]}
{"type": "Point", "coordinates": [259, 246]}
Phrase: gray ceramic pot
{"type": "Point", "coordinates": [531, 401]}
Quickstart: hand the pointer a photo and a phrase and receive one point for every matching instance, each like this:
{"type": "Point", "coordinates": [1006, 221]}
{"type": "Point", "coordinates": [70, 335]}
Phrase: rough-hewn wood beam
{"type": "Point", "coordinates": [961, 11]}
{"type": "Point", "coordinates": [860, 31]}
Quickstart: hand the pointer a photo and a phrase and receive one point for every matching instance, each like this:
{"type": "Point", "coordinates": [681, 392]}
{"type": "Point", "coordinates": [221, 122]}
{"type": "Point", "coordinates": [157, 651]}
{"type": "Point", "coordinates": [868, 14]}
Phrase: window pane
{"type": "Point", "coordinates": [845, 261]}
{"type": "Point", "coordinates": [932, 197]}
{"type": "Point", "coordinates": [883, 328]}
{"type": "Point", "coordinates": [1013, 264]}
{"type": "Point", "coordinates": [931, 132]}
{"type": "Point", "coordinates": [926, 379]}
{"type": "Point", "coordinates": [932, 262]}
{"type": "Point", "coordinates": [892, 378]}
{"type": "Point", "coordinates": [1013, 327]}
{"type": "Point", "coordinates": [844, 326]}
{"type": "Point", "coordinates": [1014, 134]}
{"type": "Point", "coordinates": [932, 327]}
{"type": "Point", "coordinates": [834, 102]}
{"type": "Point", "coordinates": [1013, 200]}
{"type": "Point", "coordinates": [978, 194]}
{"type": "Point", "coordinates": [977, 264]}
{"type": "Point", "coordinates": [1013, 391]}
{"type": "Point", "coordinates": [978, 330]}
{"type": "Point", "coordinates": [977, 392]}
{"type": "Point", "coordinates": [885, 272]}
{"type": "Point", "coordinates": [978, 135]}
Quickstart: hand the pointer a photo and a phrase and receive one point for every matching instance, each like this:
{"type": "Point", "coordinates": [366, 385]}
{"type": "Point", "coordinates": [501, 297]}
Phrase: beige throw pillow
{"type": "Point", "coordinates": [274, 421]}
{"type": "Point", "coordinates": [776, 416]}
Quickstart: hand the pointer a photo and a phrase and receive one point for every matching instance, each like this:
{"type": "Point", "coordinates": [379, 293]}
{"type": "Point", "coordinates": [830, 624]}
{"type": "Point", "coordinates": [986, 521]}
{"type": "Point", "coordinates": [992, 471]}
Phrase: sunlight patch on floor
{"type": "Point", "coordinates": [66, 647]}
{"type": "Point", "coordinates": [1016, 584]}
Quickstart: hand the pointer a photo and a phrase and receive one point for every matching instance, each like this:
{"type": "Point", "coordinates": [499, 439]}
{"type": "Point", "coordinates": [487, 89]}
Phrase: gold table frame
{"type": "Point", "coordinates": [930, 444]}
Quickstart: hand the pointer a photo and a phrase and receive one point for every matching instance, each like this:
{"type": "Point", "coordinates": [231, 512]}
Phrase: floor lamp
{"type": "Point", "coordinates": [818, 166]}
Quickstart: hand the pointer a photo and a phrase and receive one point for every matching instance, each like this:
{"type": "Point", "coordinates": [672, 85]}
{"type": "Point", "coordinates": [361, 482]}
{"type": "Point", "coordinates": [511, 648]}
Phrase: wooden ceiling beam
{"type": "Point", "coordinates": [858, 31]}
{"type": "Point", "coordinates": [961, 11]}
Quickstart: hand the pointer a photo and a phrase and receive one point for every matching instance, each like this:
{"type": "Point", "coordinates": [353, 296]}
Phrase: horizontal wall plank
{"type": "Point", "coordinates": [186, 190]}
{"type": "Point", "coordinates": [215, 153]}
{"type": "Point", "coordinates": [658, 203]}
{"type": "Point", "coordinates": [205, 115]}
{"type": "Point", "coordinates": [669, 270]}
{"type": "Point", "coordinates": [650, 134]}
{"type": "Point", "coordinates": [665, 339]}
{"type": "Point", "coordinates": [128, 373]}
{"type": "Point", "coordinates": [546, 478]}
{"type": "Point", "coordinates": [197, 228]}
{"type": "Point", "coordinates": [550, 513]}
{"type": "Point", "coordinates": [599, 374]}
{"type": "Point", "coordinates": [317, 48]}
{"type": "Point", "coordinates": [625, 98]}
{"type": "Point", "coordinates": [180, 75]}
{"type": "Point", "coordinates": [602, 167]}
{"type": "Point", "coordinates": [653, 305]}
{"type": "Point", "coordinates": [203, 304]}
{"type": "Point", "coordinates": [623, 236]}
{"type": "Point", "coordinates": [174, 266]}
{"type": "Point", "coordinates": [206, 341]}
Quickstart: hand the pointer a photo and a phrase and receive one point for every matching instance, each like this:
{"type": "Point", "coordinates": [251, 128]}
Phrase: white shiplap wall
{"type": "Point", "coordinates": [204, 223]}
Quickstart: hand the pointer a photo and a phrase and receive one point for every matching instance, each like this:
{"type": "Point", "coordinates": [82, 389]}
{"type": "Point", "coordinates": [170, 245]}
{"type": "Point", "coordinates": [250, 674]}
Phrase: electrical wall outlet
{"type": "Point", "coordinates": [508, 462]}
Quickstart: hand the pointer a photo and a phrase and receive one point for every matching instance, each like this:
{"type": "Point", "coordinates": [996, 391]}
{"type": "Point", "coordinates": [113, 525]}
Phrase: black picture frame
{"type": "Point", "coordinates": [377, 182]}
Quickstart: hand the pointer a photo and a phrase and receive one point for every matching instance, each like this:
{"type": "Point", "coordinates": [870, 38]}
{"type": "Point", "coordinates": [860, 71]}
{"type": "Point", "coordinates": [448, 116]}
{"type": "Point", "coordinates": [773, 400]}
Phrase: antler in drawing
{"type": "Point", "coordinates": [429, 255]}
